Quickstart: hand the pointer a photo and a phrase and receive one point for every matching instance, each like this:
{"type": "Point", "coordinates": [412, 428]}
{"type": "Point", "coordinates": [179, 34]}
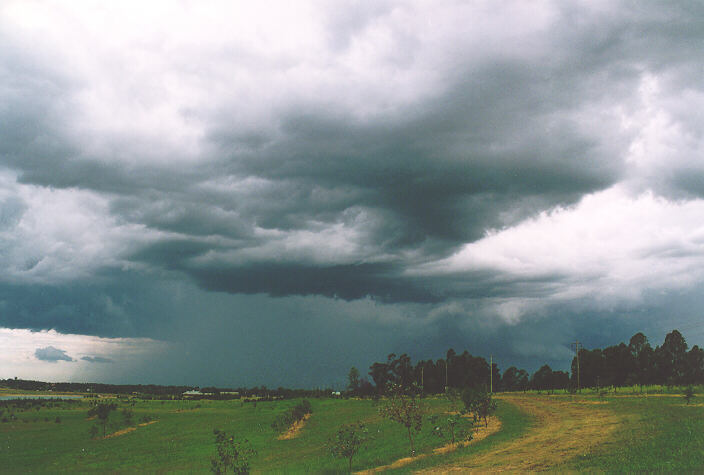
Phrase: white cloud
{"type": "Point", "coordinates": [58, 235]}
{"type": "Point", "coordinates": [28, 354]}
{"type": "Point", "coordinates": [610, 245]}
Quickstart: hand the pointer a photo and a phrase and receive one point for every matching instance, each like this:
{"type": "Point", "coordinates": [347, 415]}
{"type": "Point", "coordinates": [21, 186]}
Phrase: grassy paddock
{"type": "Point", "coordinates": [654, 432]}
{"type": "Point", "coordinates": [182, 439]}
{"type": "Point", "coordinates": [658, 434]}
{"type": "Point", "coordinates": [624, 390]}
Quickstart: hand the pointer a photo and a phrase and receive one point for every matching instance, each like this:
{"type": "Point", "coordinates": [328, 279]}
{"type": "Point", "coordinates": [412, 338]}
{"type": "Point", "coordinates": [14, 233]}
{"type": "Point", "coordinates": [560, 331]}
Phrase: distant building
{"type": "Point", "coordinates": [193, 393]}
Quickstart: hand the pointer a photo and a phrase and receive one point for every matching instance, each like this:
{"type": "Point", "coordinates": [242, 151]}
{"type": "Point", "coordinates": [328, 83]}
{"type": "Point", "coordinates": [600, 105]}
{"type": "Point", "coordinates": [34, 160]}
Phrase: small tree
{"type": "Point", "coordinates": [406, 410]}
{"type": "Point", "coordinates": [454, 424]}
{"type": "Point", "coordinates": [127, 416]}
{"type": "Point", "coordinates": [347, 441]}
{"type": "Point", "coordinates": [688, 394]}
{"type": "Point", "coordinates": [102, 411]}
{"type": "Point", "coordinates": [479, 402]}
{"type": "Point", "coordinates": [451, 426]}
{"type": "Point", "coordinates": [232, 455]}
{"type": "Point", "coordinates": [353, 377]}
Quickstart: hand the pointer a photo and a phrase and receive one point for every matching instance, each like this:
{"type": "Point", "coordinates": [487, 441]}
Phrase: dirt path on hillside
{"type": "Point", "coordinates": [563, 429]}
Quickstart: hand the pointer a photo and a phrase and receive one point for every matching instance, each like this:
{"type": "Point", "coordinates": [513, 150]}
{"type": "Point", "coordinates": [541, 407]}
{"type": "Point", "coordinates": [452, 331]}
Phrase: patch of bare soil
{"type": "Point", "coordinates": [142, 424]}
{"type": "Point", "coordinates": [563, 430]}
{"type": "Point", "coordinates": [127, 430]}
{"type": "Point", "coordinates": [120, 432]}
{"type": "Point", "coordinates": [293, 431]}
{"type": "Point", "coordinates": [481, 432]}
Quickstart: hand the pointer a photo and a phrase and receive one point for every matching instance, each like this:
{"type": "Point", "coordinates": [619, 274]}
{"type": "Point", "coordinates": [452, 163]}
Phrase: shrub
{"type": "Point", "coordinates": [102, 411]}
{"type": "Point", "coordinates": [232, 455]}
{"type": "Point", "coordinates": [293, 415]}
{"type": "Point", "coordinates": [127, 416]}
{"type": "Point", "coordinates": [479, 403]}
{"type": "Point", "coordinates": [347, 441]}
{"type": "Point", "coordinates": [688, 393]}
{"type": "Point", "coordinates": [405, 410]}
{"type": "Point", "coordinates": [453, 426]}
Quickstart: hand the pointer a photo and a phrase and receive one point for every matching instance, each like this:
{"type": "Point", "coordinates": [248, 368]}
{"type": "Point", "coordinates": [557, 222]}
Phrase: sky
{"type": "Point", "coordinates": [269, 193]}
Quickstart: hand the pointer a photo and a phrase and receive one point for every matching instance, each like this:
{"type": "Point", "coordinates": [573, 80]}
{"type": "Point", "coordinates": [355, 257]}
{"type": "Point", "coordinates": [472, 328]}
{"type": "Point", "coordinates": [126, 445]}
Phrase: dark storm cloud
{"type": "Point", "coordinates": [347, 282]}
{"type": "Point", "coordinates": [340, 181]}
{"type": "Point", "coordinates": [502, 141]}
{"type": "Point", "coordinates": [97, 359]}
{"type": "Point", "coordinates": [51, 354]}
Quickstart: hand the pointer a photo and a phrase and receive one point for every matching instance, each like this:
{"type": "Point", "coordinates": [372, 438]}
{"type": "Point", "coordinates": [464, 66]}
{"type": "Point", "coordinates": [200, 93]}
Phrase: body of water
{"type": "Point", "coordinates": [38, 396]}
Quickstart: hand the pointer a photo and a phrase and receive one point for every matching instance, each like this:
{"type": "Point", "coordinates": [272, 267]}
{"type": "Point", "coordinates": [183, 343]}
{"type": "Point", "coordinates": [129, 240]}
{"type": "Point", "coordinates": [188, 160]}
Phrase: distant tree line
{"type": "Point", "coordinates": [621, 365]}
{"type": "Point", "coordinates": [639, 364]}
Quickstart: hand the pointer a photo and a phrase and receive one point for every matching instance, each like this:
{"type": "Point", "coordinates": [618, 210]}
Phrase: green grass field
{"type": "Point", "coordinates": [648, 433]}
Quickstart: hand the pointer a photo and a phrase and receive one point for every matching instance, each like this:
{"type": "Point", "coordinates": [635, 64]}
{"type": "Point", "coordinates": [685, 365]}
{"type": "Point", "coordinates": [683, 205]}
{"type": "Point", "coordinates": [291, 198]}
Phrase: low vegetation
{"type": "Point", "coordinates": [293, 415]}
{"type": "Point", "coordinates": [348, 440]}
{"type": "Point", "coordinates": [233, 455]}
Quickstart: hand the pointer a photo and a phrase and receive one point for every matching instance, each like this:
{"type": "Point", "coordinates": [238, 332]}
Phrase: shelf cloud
{"type": "Point", "coordinates": [484, 170]}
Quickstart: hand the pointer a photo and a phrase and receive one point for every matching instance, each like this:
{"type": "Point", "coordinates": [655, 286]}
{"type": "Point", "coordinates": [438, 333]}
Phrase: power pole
{"type": "Point", "coordinates": [445, 374]}
{"type": "Point", "coordinates": [576, 351]}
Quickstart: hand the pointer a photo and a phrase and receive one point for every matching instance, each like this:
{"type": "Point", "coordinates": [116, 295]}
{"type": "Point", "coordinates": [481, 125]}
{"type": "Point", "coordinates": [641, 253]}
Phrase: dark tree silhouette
{"type": "Point", "coordinates": [102, 411]}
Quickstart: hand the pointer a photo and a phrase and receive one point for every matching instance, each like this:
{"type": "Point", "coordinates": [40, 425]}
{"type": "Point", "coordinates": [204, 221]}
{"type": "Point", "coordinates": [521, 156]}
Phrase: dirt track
{"type": "Point", "coordinates": [562, 430]}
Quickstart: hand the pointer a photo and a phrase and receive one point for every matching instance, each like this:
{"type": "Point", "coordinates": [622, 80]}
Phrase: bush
{"type": "Point", "coordinates": [688, 393]}
{"type": "Point", "coordinates": [347, 441]}
{"type": "Point", "coordinates": [232, 455]}
{"type": "Point", "coordinates": [453, 426]}
{"type": "Point", "coordinates": [479, 403]}
{"type": "Point", "coordinates": [127, 416]}
{"type": "Point", "coordinates": [404, 409]}
{"type": "Point", "coordinates": [293, 415]}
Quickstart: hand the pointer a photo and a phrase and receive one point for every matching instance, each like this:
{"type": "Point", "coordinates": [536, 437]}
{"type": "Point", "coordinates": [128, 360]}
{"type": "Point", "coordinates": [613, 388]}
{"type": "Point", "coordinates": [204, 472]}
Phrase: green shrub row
{"type": "Point", "coordinates": [293, 415]}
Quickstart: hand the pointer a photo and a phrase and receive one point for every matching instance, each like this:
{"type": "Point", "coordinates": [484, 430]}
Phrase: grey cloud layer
{"type": "Point", "coordinates": [312, 175]}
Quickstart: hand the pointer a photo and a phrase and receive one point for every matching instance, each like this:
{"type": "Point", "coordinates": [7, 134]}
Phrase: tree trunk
{"type": "Point", "coordinates": [410, 439]}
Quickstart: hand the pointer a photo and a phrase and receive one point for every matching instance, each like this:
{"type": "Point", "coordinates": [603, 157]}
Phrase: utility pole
{"type": "Point", "coordinates": [576, 351]}
{"type": "Point", "coordinates": [445, 374]}
{"type": "Point", "coordinates": [491, 374]}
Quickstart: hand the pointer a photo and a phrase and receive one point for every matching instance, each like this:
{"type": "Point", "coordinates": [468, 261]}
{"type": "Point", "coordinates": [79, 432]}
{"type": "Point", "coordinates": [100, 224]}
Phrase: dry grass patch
{"type": "Point", "coordinates": [127, 430]}
{"type": "Point", "coordinates": [293, 431]}
{"type": "Point", "coordinates": [120, 432]}
{"type": "Point", "coordinates": [563, 430]}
